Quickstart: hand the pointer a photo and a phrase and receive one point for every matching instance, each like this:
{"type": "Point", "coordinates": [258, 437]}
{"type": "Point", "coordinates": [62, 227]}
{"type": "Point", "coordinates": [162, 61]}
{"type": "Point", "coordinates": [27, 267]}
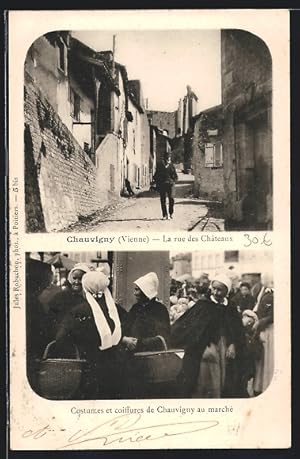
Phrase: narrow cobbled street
{"type": "Point", "coordinates": [142, 212]}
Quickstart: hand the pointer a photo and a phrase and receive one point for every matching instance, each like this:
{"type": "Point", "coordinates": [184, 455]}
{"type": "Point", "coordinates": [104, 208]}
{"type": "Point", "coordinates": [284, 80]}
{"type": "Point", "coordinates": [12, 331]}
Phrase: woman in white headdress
{"type": "Point", "coordinates": [95, 327]}
{"type": "Point", "coordinates": [212, 335]}
{"type": "Point", "coordinates": [148, 318]}
{"type": "Point", "coordinates": [147, 325]}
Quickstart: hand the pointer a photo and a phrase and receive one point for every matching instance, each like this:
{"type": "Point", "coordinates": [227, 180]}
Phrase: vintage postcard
{"type": "Point", "coordinates": [149, 229]}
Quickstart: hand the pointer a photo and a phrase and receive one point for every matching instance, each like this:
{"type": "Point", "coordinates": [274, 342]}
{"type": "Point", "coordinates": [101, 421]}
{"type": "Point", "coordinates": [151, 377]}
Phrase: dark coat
{"type": "Point", "coordinates": [165, 174]}
{"type": "Point", "coordinates": [60, 305]}
{"type": "Point", "coordinates": [103, 375]}
{"type": "Point", "coordinates": [265, 310]}
{"type": "Point", "coordinates": [201, 325]}
{"type": "Point", "coordinates": [243, 302]}
{"type": "Point", "coordinates": [147, 322]}
{"type": "Point", "coordinates": [79, 325]}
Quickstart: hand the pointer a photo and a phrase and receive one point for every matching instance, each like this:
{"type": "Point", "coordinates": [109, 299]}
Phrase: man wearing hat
{"type": "Point", "coordinates": [213, 337]}
{"type": "Point", "coordinates": [165, 178]}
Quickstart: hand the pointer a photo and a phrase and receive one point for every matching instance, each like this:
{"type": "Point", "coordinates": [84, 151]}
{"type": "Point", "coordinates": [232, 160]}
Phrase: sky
{"type": "Point", "coordinates": [166, 62]}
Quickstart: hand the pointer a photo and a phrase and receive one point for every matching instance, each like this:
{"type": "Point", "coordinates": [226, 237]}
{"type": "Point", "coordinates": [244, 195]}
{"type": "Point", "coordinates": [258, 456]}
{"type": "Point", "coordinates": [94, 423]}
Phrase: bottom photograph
{"type": "Point", "coordinates": [138, 325]}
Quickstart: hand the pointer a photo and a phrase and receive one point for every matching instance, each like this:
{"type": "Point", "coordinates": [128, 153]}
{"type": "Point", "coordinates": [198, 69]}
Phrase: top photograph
{"type": "Point", "coordinates": [148, 130]}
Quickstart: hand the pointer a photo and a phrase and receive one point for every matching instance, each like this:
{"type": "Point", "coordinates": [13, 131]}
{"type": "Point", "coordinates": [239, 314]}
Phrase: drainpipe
{"type": "Point", "coordinates": [236, 158]}
{"type": "Point", "coordinates": [114, 52]}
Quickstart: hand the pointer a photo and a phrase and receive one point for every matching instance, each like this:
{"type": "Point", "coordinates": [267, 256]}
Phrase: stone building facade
{"type": "Point", "coordinates": [85, 126]}
{"type": "Point", "coordinates": [247, 265]}
{"type": "Point", "coordinates": [207, 158]}
{"type": "Point", "coordinates": [181, 264]}
{"type": "Point", "coordinates": [247, 132]}
{"type": "Point", "coordinates": [60, 178]}
{"type": "Point", "coordinates": [166, 121]}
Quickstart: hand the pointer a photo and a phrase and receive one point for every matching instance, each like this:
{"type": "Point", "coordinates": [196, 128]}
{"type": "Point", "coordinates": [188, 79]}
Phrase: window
{"type": "Point", "coordinates": [231, 256]}
{"type": "Point", "coordinates": [75, 105]}
{"type": "Point", "coordinates": [218, 155]}
{"type": "Point", "coordinates": [213, 155]}
{"type": "Point", "coordinates": [62, 56]}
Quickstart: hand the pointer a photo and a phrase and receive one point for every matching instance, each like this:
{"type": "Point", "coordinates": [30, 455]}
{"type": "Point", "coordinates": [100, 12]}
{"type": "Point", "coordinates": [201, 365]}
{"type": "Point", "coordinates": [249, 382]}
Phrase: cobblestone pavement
{"type": "Point", "coordinates": [142, 212]}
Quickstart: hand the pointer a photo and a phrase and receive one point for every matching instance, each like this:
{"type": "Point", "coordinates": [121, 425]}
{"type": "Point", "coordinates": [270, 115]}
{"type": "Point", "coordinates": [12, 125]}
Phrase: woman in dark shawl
{"type": "Point", "coordinates": [147, 326]}
{"type": "Point", "coordinates": [148, 319]}
{"type": "Point", "coordinates": [212, 336]}
{"type": "Point", "coordinates": [95, 327]}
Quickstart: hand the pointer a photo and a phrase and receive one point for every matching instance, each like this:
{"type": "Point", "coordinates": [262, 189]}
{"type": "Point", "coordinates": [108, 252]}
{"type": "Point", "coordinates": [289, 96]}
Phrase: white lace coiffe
{"type": "Point", "coordinates": [94, 283]}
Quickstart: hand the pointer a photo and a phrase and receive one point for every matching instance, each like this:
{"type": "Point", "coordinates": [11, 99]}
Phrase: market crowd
{"type": "Point", "coordinates": [226, 328]}
{"type": "Point", "coordinates": [226, 334]}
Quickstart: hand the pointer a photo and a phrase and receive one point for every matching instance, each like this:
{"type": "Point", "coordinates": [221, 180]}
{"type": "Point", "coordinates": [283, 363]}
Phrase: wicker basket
{"type": "Point", "coordinates": [159, 366]}
{"type": "Point", "coordinates": [59, 379]}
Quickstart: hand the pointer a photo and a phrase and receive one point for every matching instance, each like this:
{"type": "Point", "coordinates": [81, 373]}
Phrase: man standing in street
{"type": "Point", "coordinates": [165, 178]}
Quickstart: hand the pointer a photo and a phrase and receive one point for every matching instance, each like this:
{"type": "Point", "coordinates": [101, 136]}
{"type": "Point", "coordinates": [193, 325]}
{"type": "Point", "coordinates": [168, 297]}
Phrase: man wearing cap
{"type": "Point", "coordinates": [148, 319]}
{"type": "Point", "coordinates": [212, 335]}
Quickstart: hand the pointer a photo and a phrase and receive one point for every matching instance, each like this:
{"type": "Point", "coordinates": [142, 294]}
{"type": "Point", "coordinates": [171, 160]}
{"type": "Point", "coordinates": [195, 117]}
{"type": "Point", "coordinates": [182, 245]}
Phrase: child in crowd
{"type": "Point", "coordinates": [253, 348]}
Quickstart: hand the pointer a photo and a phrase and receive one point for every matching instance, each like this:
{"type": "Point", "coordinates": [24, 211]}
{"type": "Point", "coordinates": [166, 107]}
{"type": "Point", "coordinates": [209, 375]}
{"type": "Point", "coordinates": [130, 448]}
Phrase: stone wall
{"type": "Point", "coordinates": [164, 121]}
{"type": "Point", "coordinates": [60, 181]}
{"type": "Point", "coordinates": [247, 133]}
{"type": "Point", "coordinates": [108, 168]}
{"type": "Point", "coordinates": [209, 181]}
{"type": "Point", "coordinates": [208, 128]}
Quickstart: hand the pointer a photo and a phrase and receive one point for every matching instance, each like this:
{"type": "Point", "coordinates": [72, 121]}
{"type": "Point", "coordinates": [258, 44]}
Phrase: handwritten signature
{"type": "Point", "coordinates": [125, 428]}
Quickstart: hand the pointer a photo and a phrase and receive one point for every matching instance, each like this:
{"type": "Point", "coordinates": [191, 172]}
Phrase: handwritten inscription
{"type": "Point", "coordinates": [124, 429]}
{"type": "Point", "coordinates": [257, 241]}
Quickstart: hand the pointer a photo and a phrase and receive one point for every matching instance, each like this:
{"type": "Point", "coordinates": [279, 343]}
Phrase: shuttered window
{"type": "Point", "coordinates": [209, 155]}
{"type": "Point", "coordinates": [213, 155]}
{"type": "Point", "coordinates": [218, 155]}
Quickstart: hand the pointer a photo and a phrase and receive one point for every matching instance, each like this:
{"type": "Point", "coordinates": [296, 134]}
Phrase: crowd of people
{"type": "Point", "coordinates": [226, 328]}
{"type": "Point", "coordinates": [227, 336]}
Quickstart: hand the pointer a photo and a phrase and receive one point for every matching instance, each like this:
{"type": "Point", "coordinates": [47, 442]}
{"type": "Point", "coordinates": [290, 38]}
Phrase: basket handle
{"type": "Point", "coordinates": [163, 341]}
{"type": "Point", "coordinates": [46, 351]}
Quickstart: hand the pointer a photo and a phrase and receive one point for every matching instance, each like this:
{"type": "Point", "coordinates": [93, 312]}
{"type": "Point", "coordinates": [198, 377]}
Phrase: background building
{"type": "Point", "coordinates": [181, 264]}
{"type": "Point", "coordinates": [248, 265]}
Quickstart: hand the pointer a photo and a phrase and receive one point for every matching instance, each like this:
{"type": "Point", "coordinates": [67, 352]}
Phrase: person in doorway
{"type": "Point", "coordinates": [165, 178]}
{"type": "Point", "coordinates": [212, 336]}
